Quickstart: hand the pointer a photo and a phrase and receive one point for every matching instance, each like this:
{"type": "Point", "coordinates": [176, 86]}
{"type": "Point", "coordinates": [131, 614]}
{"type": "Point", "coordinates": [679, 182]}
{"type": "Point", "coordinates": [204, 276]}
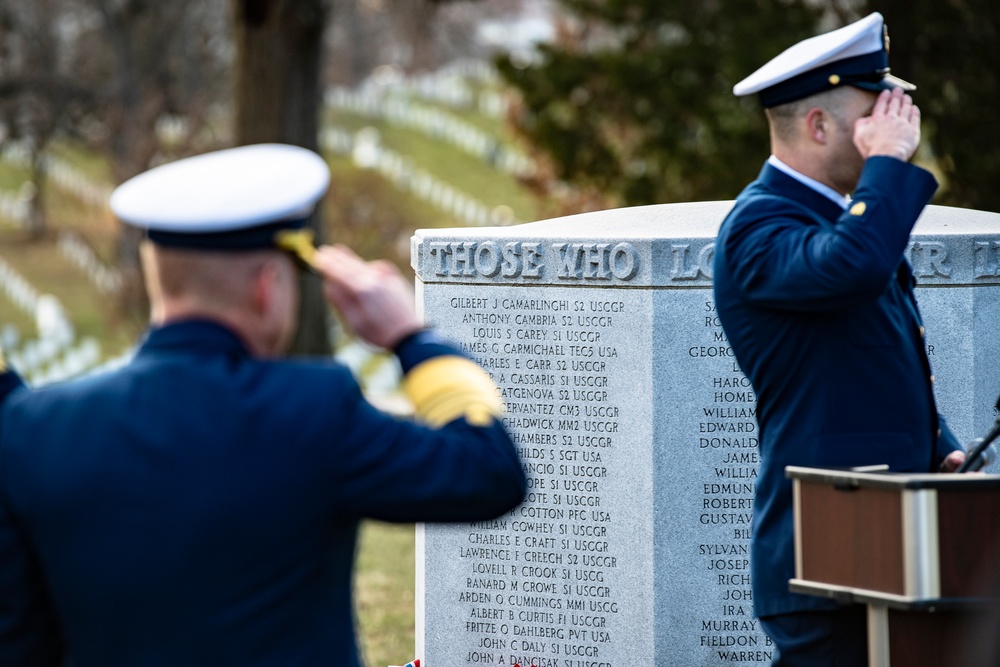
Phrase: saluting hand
{"type": "Point", "coordinates": [373, 297]}
{"type": "Point", "coordinates": [892, 129]}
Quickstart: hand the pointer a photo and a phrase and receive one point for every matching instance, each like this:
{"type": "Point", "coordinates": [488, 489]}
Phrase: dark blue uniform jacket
{"type": "Point", "coordinates": [200, 507]}
{"type": "Point", "coordinates": [818, 305]}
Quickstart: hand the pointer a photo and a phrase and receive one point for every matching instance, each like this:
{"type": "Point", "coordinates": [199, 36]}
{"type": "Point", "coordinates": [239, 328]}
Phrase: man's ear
{"type": "Point", "coordinates": [151, 275]}
{"type": "Point", "coordinates": [818, 124]}
{"type": "Point", "coordinates": [263, 291]}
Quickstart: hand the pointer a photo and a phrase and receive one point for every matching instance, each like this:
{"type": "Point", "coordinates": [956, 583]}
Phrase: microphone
{"type": "Point", "coordinates": [986, 457]}
{"type": "Point", "coordinates": [980, 447]}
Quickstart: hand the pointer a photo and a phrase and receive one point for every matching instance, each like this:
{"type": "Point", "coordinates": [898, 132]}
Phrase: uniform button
{"type": "Point", "coordinates": [922, 331]}
{"type": "Point", "coordinates": [932, 379]}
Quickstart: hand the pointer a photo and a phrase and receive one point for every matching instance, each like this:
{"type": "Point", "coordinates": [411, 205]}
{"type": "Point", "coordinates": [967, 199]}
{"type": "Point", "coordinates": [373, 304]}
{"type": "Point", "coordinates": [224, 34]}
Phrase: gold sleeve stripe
{"type": "Point", "coordinates": [445, 388]}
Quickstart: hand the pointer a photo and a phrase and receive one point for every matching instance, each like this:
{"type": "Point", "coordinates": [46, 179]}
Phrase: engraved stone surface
{"type": "Point", "coordinates": [638, 432]}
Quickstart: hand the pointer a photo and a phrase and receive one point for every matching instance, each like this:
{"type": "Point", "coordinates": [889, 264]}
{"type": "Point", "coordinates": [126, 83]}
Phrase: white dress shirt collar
{"type": "Point", "coordinates": [824, 190]}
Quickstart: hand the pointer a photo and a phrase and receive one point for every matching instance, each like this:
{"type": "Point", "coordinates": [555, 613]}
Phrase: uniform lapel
{"type": "Point", "coordinates": [783, 185]}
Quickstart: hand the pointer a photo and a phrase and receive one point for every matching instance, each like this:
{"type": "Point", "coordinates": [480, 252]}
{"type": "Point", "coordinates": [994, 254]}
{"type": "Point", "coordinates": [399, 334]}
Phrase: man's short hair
{"type": "Point", "coordinates": [784, 118]}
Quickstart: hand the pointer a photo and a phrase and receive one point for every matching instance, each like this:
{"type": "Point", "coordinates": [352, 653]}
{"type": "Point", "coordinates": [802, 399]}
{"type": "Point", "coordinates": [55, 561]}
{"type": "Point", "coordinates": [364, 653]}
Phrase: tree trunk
{"type": "Point", "coordinates": [131, 117]}
{"type": "Point", "coordinates": [278, 94]}
{"type": "Point", "coordinates": [37, 218]}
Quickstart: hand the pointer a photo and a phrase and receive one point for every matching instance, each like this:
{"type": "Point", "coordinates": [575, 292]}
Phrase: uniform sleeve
{"type": "Point", "coordinates": [28, 630]}
{"type": "Point", "coordinates": [947, 442]}
{"type": "Point", "coordinates": [453, 462]}
{"type": "Point", "coordinates": [782, 258]}
{"type": "Point", "coordinates": [29, 633]}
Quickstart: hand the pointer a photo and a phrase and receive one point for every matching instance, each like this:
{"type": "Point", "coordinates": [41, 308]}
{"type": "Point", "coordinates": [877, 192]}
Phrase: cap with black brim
{"type": "Point", "coordinates": [237, 199]}
{"type": "Point", "coordinates": [856, 55]}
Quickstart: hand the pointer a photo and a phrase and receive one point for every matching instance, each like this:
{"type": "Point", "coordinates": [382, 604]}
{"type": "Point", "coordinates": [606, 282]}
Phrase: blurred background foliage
{"type": "Point", "coordinates": [430, 113]}
{"type": "Point", "coordinates": [633, 101]}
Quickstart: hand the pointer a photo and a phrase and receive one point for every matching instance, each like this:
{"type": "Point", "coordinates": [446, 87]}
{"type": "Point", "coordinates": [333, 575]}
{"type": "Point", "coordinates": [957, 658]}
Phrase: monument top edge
{"type": "Point", "coordinates": [690, 220]}
{"type": "Point", "coordinates": [951, 220]}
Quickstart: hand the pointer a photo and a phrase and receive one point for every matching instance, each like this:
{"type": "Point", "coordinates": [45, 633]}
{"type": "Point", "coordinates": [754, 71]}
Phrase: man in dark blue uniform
{"type": "Point", "coordinates": [200, 505]}
{"type": "Point", "coordinates": [817, 302]}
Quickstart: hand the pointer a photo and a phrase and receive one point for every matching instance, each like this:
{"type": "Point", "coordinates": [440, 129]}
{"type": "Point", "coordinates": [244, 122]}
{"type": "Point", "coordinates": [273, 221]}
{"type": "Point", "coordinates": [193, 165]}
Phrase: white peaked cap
{"type": "Point", "coordinates": [226, 190]}
{"type": "Point", "coordinates": [855, 55]}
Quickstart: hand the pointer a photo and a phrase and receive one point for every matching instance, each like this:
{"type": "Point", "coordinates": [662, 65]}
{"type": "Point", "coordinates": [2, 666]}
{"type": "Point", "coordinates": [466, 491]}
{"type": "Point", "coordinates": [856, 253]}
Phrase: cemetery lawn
{"type": "Point", "coordinates": [366, 212]}
{"type": "Point", "coordinates": [470, 174]}
{"type": "Point", "coordinates": [93, 314]}
{"type": "Point", "coordinates": [383, 593]}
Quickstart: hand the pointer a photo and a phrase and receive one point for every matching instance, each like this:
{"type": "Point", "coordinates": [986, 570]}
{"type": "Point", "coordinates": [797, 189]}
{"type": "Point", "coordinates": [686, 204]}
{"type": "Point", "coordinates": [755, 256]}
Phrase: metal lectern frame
{"type": "Point", "coordinates": [914, 548]}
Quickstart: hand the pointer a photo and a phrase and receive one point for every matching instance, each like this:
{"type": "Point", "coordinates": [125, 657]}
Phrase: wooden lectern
{"type": "Point", "coordinates": [919, 549]}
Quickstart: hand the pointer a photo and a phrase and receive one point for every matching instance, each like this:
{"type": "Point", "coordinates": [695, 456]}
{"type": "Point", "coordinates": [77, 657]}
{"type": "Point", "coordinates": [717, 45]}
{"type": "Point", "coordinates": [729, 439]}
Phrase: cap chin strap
{"type": "Point", "coordinates": [299, 242]}
{"type": "Point", "coordinates": [899, 83]}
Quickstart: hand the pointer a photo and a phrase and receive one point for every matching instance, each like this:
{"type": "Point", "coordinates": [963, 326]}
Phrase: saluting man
{"type": "Point", "coordinates": [200, 505]}
{"type": "Point", "coordinates": [817, 301]}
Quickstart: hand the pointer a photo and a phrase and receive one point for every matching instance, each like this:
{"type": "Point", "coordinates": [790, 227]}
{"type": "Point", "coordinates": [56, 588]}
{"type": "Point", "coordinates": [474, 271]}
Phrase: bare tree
{"type": "Point", "coordinates": [38, 95]}
{"type": "Point", "coordinates": [143, 49]}
{"type": "Point", "coordinates": [108, 72]}
{"type": "Point", "coordinates": [279, 51]}
{"type": "Point", "coordinates": [412, 35]}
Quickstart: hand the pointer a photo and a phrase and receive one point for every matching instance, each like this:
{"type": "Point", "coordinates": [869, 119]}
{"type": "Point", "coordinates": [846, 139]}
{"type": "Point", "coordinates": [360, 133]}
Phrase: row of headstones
{"type": "Point", "coordinates": [449, 86]}
{"type": "Point", "coordinates": [452, 91]}
{"type": "Point", "coordinates": [81, 255]}
{"type": "Point", "coordinates": [55, 354]}
{"type": "Point", "coordinates": [377, 372]}
{"type": "Point", "coordinates": [368, 153]}
{"type": "Point", "coordinates": [42, 364]}
{"type": "Point", "coordinates": [437, 123]}
{"type": "Point", "coordinates": [471, 69]}
{"type": "Point", "coordinates": [15, 208]}
{"type": "Point", "coordinates": [71, 180]}
{"type": "Point", "coordinates": [64, 175]}
{"type": "Point", "coordinates": [17, 289]}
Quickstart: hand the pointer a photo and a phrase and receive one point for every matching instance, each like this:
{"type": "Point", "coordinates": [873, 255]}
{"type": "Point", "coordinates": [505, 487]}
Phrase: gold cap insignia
{"type": "Point", "coordinates": [298, 242]}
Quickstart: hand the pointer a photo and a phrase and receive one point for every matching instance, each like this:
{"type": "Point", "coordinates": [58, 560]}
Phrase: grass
{"type": "Point", "coordinates": [94, 167]}
{"type": "Point", "coordinates": [11, 178]}
{"type": "Point", "coordinates": [42, 264]}
{"type": "Point", "coordinates": [470, 174]}
{"type": "Point", "coordinates": [93, 314]}
{"type": "Point", "coordinates": [384, 595]}
{"type": "Point", "coordinates": [368, 213]}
